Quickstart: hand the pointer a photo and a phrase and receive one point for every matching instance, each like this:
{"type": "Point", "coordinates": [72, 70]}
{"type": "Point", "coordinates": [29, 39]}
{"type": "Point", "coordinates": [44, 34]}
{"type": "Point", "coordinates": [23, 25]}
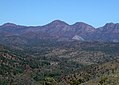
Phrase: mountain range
{"type": "Point", "coordinates": [59, 54]}
{"type": "Point", "coordinates": [60, 31]}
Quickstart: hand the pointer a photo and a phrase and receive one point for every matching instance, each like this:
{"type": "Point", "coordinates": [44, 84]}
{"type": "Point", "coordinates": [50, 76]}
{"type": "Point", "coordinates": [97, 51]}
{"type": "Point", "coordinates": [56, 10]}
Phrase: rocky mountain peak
{"type": "Point", "coordinates": [111, 26]}
{"type": "Point", "coordinates": [79, 23]}
{"type": "Point", "coordinates": [58, 22]}
{"type": "Point", "coordinates": [9, 25]}
{"type": "Point", "coordinates": [83, 26]}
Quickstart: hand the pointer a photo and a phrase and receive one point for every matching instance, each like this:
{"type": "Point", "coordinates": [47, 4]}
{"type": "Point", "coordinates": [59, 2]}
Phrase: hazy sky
{"type": "Point", "coordinates": [40, 12]}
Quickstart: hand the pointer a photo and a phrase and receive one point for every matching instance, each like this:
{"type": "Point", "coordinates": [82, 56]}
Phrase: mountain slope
{"type": "Point", "coordinates": [109, 32]}
{"type": "Point", "coordinates": [56, 62]}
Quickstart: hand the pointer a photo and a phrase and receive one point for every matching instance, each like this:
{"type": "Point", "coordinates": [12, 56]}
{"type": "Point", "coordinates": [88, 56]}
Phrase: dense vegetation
{"type": "Point", "coordinates": [59, 63]}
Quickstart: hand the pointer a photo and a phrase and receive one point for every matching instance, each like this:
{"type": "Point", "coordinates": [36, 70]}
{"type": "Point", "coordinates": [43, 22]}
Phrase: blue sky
{"type": "Point", "coordinates": [41, 12]}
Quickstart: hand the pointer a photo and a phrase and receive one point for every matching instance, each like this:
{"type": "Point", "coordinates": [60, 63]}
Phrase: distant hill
{"type": "Point", "coordinates": [58, 30]}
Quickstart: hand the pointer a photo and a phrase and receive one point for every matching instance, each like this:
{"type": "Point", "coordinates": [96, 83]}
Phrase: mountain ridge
{"type": "Point", "coordinates": [58, 21]}
{"type": "Point", "coordinates": [60, 30]}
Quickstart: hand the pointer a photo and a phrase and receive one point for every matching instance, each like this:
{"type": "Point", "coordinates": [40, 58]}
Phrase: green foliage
{"type": "Point", "coordinates": [76, 82]}
{"type": "Point", "coordinates": [3, 82]}
{"type": "Point", "coordinates": [102, 81]}
{"type": "Point", "coordinates": [52, 62]}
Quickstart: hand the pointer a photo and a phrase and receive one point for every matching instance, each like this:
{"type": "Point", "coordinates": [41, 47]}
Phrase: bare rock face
{"type": "Point", "coordinates": [76, 37]}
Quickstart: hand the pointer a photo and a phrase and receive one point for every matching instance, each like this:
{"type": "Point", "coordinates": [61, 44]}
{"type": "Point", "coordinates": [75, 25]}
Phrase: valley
{"type": "Point", "coordinates": [58, 63]}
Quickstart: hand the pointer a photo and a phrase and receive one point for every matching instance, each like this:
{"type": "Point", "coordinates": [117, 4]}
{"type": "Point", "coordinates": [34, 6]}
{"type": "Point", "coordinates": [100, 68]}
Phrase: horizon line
{"type": "Point", "coordinates": [56, 20]}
